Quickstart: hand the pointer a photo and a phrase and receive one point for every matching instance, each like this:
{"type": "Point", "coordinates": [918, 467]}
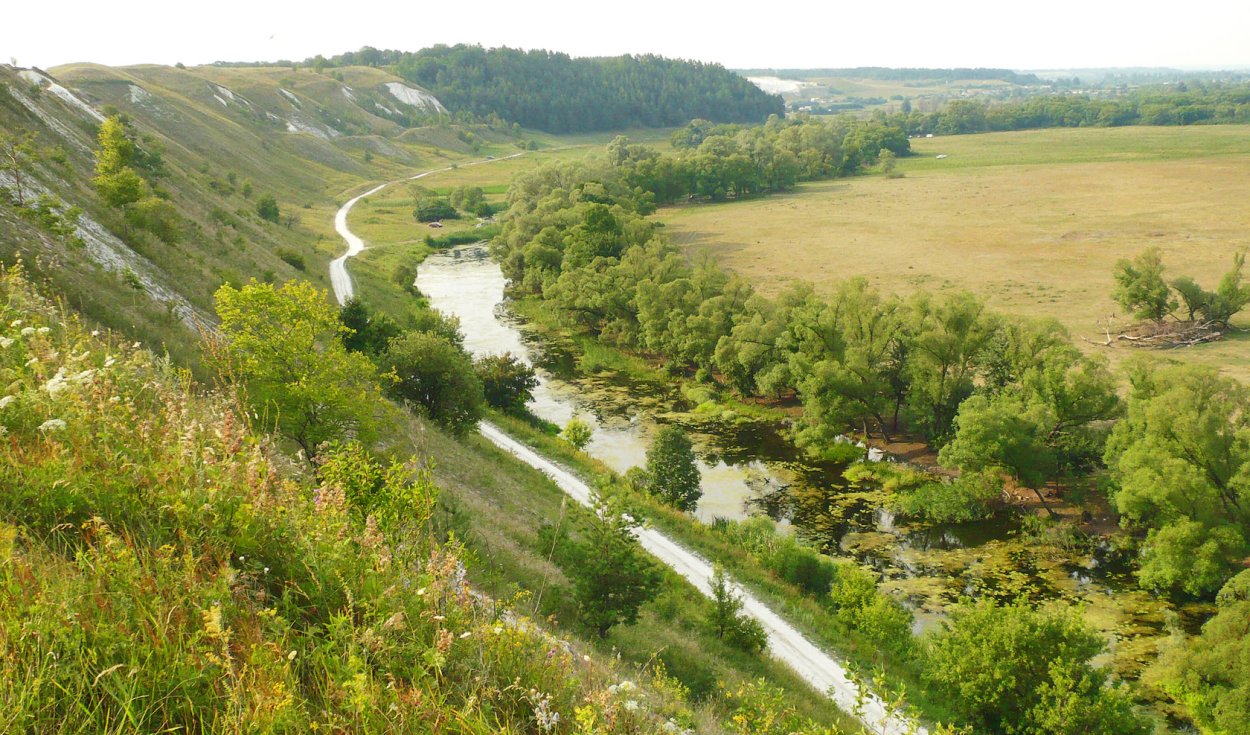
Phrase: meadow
{"type": "Point", "coordinates": [1034, 221]}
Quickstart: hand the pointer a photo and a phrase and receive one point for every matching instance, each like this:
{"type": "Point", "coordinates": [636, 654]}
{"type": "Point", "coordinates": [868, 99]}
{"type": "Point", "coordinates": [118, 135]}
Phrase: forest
{"type": "Point", "coordinates": [557, 93]}
{"type": "Point", "coordinates": [1184, 103]}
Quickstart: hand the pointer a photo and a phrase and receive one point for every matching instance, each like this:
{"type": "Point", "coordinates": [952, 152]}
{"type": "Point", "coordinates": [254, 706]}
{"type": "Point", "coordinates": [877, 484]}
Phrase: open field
{"type": "Point", "coordinates": [1034, 221]}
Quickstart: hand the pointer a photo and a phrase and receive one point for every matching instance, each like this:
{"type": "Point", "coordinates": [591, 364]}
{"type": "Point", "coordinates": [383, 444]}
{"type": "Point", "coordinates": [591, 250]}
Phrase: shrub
{"type": "Point", "coordinates": [267, 208]}
{"type": "Point", "coordinates": [507, 382]}
{"type": "Point", "coordinates": [578, 433]}
{"type": "Point", "coordinates": [292, 258]}
{"type": "Point", "coordinates": [436, 376]}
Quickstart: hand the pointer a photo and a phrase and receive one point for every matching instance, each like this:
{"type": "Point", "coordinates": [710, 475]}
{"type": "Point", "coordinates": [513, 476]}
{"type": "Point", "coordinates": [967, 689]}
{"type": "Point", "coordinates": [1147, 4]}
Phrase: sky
{"type": "Point", "coordinates": [1062, 34]}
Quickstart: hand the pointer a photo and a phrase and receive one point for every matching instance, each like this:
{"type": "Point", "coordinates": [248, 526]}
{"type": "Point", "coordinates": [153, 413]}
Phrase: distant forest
{"type": "Point", "coordinates": [903, 75]}
{"type": "Point", "coordinates": [560, 94]}
{"type": "Point", "coordinates": [1175, 104]}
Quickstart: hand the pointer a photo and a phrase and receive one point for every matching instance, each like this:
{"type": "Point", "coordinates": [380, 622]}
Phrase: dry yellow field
{"type": "Point", "coordinates": [1034, 221]}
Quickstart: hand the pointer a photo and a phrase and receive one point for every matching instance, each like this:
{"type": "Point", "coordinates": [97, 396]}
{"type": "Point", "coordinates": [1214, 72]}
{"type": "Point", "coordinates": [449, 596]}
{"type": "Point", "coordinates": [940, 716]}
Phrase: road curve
{"type": "Point", "coordinates": [340, 280]}
{"type": "Point", "coordinates": [816, 667]}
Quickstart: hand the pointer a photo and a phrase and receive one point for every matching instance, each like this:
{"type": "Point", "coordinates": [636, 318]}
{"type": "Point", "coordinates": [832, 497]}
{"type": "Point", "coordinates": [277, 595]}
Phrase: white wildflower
{"type": "Point", "coordinates": [43, 330]}
{"type": "Point", "coordinates": [5, 341]}
{"type": "Point", "coordinates": [627, 686]}
{"type": "Point", "coordinates": [110, 361]}
{"type": "Point", "coordinates": [57, 383]}
{"type": "Point", "coordinates": [290, 656]}
{"type": "Point", "coordinates": [95, 333]}
{"type": "Point", "coordinates": [420, 592]}
{"type": "Point", "coordinates": [498, 629]}
{"type": "Point", "coordinates": [6, 401]}
{"type": "Point", "coordinates": [52, 425]}
{"type": "Point", "coordinates": [27, 331]}
{"type": "Point", "coordinates": [135, 346]}
{"type": "Point", "coordinates": [15, 323]}
{"type": "Point", "coordinates": [631, 706]}
{"type": "Point", "coordinates": [465, 634]}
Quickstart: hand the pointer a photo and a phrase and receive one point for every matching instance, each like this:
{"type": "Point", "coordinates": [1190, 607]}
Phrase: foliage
{"type": "Point", "coordinates": [1208, 672]}
{"type": "Point", "coordinates": [282, 346]}
{"type": "Point", "coordinates": [157, 216]}
{"type": "Point", "coordinates": [863, 607]}
{"type": "Point", "coordinates": [557, 93]}
{"type": "Point", "coordinates": [436, 376]}
{"type": "Point", "coordinates": [761, 709]}
{"type": "Point", "coordinates": [209, 589]}
{"type": "Point", "coordinates": [18, 156]}
{"type": "Point", "coordinates": [672, 472]}
{"type": "Point", "coordinates": [430, 208]}
{"type": "Point", "coordinates": [726, 619]}
{"type": "Point", "coordinates": [612, 576]}
{"type": "Point", "coordinates": [365, 330]}
{"type": "Point", "coordinates": [970, 496]}
{"type": "Point", "coordinates": [1014, 669]}
{"type": "Point", "coordinates": [1140, 286]}
{"type": "Point", "coordinates": [1180, 464]}
{"type": "Point", "coordinates": [577, 433]}
{"type": "Point", "coordinates": [115, 177]}
{"type": "Point", "coordinates": [267, 208]}
{"type": "Point", "coordinates": [508, 382]}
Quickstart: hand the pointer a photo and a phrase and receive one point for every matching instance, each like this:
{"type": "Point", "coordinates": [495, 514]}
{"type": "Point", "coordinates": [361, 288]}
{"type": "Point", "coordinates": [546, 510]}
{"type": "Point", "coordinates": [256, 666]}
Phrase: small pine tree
{"type": "Point", "coordinates": [672, 472]}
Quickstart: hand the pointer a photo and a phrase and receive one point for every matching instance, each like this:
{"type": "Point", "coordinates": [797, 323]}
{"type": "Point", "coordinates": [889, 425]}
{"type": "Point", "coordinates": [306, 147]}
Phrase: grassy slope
{"type": "Point", "coordinates": [1032, 220]}
{"type": "Point", "coordinates": [196, 580]}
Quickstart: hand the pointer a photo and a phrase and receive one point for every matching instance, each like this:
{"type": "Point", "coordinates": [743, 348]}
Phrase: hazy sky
{"type": "Point", "coordinates": [831, 33]}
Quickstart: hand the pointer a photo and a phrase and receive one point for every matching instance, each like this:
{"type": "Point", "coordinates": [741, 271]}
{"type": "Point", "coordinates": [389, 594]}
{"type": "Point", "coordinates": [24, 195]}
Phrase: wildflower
{"type": "Point", "coordinates": [627, 686]}
{"type": "Point", "coordinates": [5, 401]}
{"type": "Point", "coordinates": [498, 629]}
{"type": "Point", "coordinates": [135, 346]}
{"type": "Point", "coordinates": [15, 323]}
{"type": "Point", "coordinates": [631, 706]}
{"type": "Point", "coordinates": [32, 362]}
{"type": "Point", "coordinates": [291, 656]}
{"type": "Point", "coordinates": [5, 341]}
{"type": "Point", "coordinates": [95, 333]}
{"type": "Point", "coordinates": [43, 330]}
{"type": "Point", "coordinates": [27, 331]}
{"type": "Point", "coordinates": [440, 618]}
{"type": "Point", "coordinates": [421, 592]}
{"type": "Point", "coordinates": [57, 383]}
{"type": "Point", "coordinates": [52, 425]}
{"type": "Point", "coordinates": [266, 570]}
{"type": "Point", "coordinates": [394, 622]}
{"type": "Point", "coordinates": [109, 362]}
{"type": "Point", "coordinates": [465, 634]}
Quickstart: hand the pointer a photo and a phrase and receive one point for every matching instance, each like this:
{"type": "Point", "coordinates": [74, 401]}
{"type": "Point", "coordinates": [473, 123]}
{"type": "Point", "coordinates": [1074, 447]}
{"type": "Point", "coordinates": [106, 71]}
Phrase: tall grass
{"type": "Point", "coordinates": [163, 568]}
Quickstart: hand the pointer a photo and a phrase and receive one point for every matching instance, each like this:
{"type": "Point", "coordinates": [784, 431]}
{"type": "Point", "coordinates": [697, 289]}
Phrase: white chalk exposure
{"type": "Point", "coordinates": [290, 97]}
{"type": "Point", "coordinates": [139, 95]}
{"type": "Point", "coordinates": [417, 98]}
{"type": "Point", "coordinates": [777, 85]}
{"type": "Point", "coordinates": [347, 92]}
{"type": "Point", "coordinates": [67, 96]}
{"type": "Point", "coordinates": [295, 125]}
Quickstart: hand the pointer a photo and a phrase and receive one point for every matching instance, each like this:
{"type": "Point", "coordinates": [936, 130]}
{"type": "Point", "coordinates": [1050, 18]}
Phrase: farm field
{"type": "Point", "coordinates": [1034, 221]}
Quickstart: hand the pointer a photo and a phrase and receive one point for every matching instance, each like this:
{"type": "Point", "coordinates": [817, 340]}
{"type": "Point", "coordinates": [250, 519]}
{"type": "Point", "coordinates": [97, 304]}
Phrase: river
{"type": "Point", "coordinates": [749, 469]}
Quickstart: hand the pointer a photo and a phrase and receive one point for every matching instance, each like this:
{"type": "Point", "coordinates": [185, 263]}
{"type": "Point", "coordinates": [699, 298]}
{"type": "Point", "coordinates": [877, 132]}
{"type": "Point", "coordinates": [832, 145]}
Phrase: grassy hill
{"type": "Point", "coordinates": [225, 138]}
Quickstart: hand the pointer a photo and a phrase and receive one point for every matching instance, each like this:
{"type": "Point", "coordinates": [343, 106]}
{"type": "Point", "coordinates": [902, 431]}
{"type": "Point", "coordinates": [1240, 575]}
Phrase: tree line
{"type": "Point", "coordinates": [560, 94]}
{"type": "Point", "coordinates": [1181, 104]}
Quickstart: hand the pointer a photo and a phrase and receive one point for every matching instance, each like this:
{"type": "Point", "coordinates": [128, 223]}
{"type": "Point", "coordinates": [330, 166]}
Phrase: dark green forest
{"type": "Point", "coordinates": [561, 94]}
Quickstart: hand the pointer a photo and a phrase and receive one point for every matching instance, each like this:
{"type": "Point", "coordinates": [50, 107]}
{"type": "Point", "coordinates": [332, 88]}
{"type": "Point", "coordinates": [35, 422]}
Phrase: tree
{"type": "Point", "coordinates": [434, 374]}
{"type": "Point", "coordinates": [727, 620]}
{"type": "Point", "coordinates": [366, 331]}
{"type": "Point", "coordinates": [672, 472]}
{"type": "Point", "coordinates": [267, 208]}
{"type": "Point", "coordinates": [612, 576]}
{"type": "Point", "coordinates": [282, 346]}
{"type": "Point", "coordinates": [577, 432]}
{"type": "Point", "coordinates": [1014, 669]}
{"type": "Point", "coordinates": [947, 340]}
{"type": "Point", "coordinates": [115, 179]}
{"type": "Point", "coordinates": [1231, 295]}
{"type": "Point", "coordinates": [888, 162]}
{"type": "Point", "coordinates": [508, 383]}
{"type": "Point", "coordinates": [1140, 287]}
{"type": "Point", "coordinates": [1208, 673]}
{"type": "Point", "coordinates": [430, 208]}
{"type": "Point", "coordinates": [17, 158]}
{"type": "Point", "coordinates": [1180, 465]}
